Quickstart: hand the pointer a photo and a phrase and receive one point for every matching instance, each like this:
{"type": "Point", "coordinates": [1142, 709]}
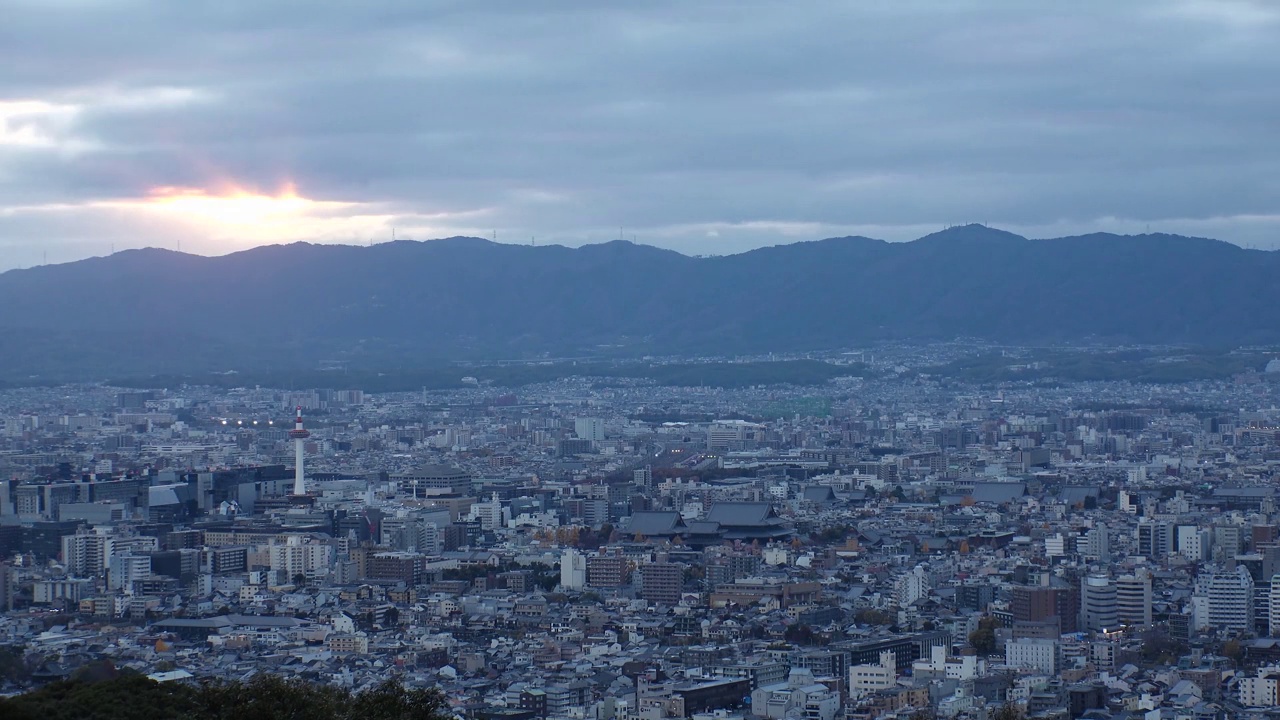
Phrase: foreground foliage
{"type": "Point", "coordinates": [129, 696]}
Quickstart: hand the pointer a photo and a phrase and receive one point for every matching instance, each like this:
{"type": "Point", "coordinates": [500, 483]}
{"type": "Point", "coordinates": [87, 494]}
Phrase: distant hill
{"type": "Point", "coordinates": [407, 304]}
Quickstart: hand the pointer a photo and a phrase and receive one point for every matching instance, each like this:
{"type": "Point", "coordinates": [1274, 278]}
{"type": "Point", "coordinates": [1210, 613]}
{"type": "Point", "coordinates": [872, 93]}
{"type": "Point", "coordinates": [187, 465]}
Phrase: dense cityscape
{"type": "Point", "coordinates": [898, 545]}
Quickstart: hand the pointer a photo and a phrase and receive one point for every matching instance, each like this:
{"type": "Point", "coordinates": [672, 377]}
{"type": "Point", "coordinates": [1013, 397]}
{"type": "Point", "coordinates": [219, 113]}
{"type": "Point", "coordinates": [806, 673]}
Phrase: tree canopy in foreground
{"type": "Point", "coordinates": [129, 696]}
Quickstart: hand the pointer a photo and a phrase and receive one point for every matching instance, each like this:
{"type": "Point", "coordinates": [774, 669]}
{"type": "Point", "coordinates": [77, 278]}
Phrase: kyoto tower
{"type": "Point", "coordinates": [299, 435]}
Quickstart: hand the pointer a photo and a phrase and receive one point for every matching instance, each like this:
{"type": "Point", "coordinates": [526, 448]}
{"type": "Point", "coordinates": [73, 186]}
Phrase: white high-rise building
{"type": "Point", "coordinates": [589, 429]}
{"type": "Point", "coordinates": [911, 586]}
{"type": "Point", "coordinates": [1098, 604]}
{"type": "Point", "coordinates": [127, 569]}
{"type": "Point", "coordinates": [1193, 543]}
{"type": "Point", "coordinates": [1228, 598]}
{"type": "Point", "coordinates": [1273, 607]}
{"type": "Point", "coordinates": [88, 552]}
{"type": "Point", "coordinates": [573, 570]}
{"type": "Point", "coordinates": [491, 514]}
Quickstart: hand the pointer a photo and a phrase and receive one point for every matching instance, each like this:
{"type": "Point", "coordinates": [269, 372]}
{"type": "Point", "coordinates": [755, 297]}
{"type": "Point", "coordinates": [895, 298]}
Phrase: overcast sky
{"type": "Point", "coordinates": [707, 127]}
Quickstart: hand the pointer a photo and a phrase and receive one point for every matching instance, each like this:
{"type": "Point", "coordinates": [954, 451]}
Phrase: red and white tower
{"type": "Point", "coordinates": [299, 435]}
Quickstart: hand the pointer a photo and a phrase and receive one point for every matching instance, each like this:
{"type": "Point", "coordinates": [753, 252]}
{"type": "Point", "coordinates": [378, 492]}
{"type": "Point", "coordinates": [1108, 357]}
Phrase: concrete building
{"type": "Point", "coordinates": [573, 570]}
{"type": "Point", "coordinates": [801, 695]}
{"type": "Point", "coordinates": [1035, 654]}
{"type": "Point", "coordinates": [126, 569]}
{"type": "Point", "coordinates": [295, 555]}
{"type": "Point", "coordinates": [608, 568]}
{"type": "Point", "coordinates": [911, 586]}
{"type": "Point", "coordinates": [866, 679]}
{"type": "Point", "coordinates": [1228, 599]}
{"type": "Point", "coordinates": [1098, 604]}
{"type": "Point", "coordinates": [661, 582]}
{"type": "Point", "coordinates": [1133, 598]}
{"type": "Point", "coordinates": [1155, 539]}
{"type": "Point", "coordinates": [1261, 690]}
{"type": "Point", "coordinates": [431, 479]}
{"type": "Point", "coordinates": [732, 434]}
{"type": "Point", "coordinates": [1273, 607]}
{"type": "Point", "coordinates": [589, 428]}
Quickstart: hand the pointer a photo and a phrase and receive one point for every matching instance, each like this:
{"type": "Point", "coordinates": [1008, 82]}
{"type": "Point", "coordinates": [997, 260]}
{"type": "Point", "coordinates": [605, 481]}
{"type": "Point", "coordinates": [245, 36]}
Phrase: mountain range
{"type": "Point", "coordinates": [409, 304]}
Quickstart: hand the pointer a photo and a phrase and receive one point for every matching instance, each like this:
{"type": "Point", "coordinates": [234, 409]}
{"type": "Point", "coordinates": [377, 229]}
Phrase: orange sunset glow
{"type": "Point", "coordinates": [235, 205]}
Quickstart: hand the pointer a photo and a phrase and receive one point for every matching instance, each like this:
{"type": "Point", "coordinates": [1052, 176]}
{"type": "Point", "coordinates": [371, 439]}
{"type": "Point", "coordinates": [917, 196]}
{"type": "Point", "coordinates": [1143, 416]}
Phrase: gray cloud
{"type": "Point", "coordinates": [706, 127]}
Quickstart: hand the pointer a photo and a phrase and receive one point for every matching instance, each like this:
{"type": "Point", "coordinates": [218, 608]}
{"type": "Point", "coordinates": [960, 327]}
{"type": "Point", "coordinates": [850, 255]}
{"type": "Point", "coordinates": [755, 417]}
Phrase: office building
{"type": "Point", "coordinates": [1098, 604]}
{"type": "Point", "coordinates": [1155, 539]}
{"type": "Point", "coordinates": [1133, 598]}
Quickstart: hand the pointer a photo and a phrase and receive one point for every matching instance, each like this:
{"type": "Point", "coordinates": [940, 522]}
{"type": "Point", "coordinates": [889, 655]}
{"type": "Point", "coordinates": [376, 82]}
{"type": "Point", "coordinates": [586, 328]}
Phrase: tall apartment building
{"type": "Point", "coordinates": [87, 553]}
{"type": "Point", "coordinates": [608, 568]}
{"type": "Point", "coordinates": [589, 428]}
{"type": "Point", "coordinates": [1226, 599]}
{"type": "Point", "coordinates": [661, 582]}
{"type": "Point", "coordinates": [1273, 607]}
{"type": "Point", "coordinates": [403, 566]}
{"type": "Point", "coordinates": [296, 555]}
{"type": "Point", "coordinates": [911, 586]}
{"type": "Point", "coordinates": [573, 570]}
{"type": "Point", "coordinates": [127, 569]}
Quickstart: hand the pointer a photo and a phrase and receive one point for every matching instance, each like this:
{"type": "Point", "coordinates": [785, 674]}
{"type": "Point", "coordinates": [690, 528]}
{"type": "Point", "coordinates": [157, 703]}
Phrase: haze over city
{"type": "Point", "coordinates": [708, 127]}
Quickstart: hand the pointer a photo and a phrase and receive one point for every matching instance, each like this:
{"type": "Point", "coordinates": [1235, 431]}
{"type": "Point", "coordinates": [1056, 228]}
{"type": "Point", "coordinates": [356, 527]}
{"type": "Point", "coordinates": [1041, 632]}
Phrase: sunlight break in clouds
{"type": "Point", "coordinates": [235, 213]}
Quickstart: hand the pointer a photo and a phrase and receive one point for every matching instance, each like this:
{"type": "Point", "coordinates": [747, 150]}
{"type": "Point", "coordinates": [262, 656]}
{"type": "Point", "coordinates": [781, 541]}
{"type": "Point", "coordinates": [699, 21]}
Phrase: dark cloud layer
{"type": "Point", "coordinates": [701, 126]}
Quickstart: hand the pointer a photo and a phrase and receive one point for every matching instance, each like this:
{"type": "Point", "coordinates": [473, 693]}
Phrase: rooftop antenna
{"type": "Point", "coordinates": [533, 240]}
{"type": "Point", "coordinates": [393, 234]}
{"type": "Point", "coordinates": [45, 258]}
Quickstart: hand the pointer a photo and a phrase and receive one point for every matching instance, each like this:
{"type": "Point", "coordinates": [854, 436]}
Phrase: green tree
{"type": "Point", "coordinates": [984, 638]}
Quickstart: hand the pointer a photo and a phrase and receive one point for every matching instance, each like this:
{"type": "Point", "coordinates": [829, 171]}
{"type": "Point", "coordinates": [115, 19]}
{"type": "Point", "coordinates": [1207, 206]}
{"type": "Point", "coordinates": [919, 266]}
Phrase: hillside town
{"type": "Point", "coordinates": [899, 545]}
